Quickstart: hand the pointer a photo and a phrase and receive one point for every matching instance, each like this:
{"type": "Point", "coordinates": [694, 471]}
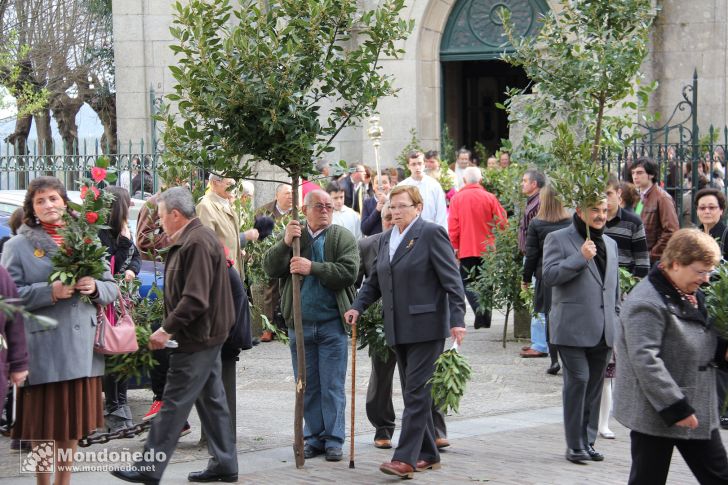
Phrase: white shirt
{"type": "Point", "coordinates": [348, 218]}
{"type": "Point", "coordinates": [395, 238]}
{"type": "Point", "coordinates": [458, 175]}
{"type": "Point", "coordinates": [434, 208]}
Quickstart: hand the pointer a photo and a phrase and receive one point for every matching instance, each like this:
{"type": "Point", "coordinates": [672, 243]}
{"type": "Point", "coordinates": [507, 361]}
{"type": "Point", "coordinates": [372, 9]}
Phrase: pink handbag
{"type": "Point", "coordinates": [115, 339]}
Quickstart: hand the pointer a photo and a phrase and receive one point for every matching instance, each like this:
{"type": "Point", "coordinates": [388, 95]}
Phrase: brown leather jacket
{"type": "Point", "coordinates": [198, 301]}
{"type": "Point", "coordinates": [660, 220]}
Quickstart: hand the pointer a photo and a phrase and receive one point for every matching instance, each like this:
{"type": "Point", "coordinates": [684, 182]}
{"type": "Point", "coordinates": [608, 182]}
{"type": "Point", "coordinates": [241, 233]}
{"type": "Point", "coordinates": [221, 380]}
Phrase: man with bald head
{"type": "Point", "coordinates": [329, 264]}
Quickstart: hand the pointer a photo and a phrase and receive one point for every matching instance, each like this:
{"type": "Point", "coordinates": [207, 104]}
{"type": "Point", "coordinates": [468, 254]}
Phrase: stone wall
{"type": "Point", "coordinates": [689, 36]}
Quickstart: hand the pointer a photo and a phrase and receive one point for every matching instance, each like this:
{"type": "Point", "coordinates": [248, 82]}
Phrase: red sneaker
{"type": "Point", "coordinates": [153, 410]}
{"type": "Point", "coordinates": [185, 430]}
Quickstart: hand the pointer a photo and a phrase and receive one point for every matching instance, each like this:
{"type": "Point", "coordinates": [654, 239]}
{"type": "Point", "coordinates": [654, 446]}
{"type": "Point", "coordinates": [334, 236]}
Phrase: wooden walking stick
{"type": "Point", "coordinates": [353, 395]}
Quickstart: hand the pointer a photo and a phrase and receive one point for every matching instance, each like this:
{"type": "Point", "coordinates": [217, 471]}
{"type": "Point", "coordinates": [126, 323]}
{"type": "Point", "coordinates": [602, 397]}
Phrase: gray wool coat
{"type": "Point", "coordinates": [63, 352]}
{"type": "Point", "coordinates": [665, 372]}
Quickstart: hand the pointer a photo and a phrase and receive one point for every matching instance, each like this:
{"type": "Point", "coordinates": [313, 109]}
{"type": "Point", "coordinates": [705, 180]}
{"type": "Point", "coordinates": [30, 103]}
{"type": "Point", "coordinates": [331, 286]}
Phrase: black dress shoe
{"type": "Point", "coordinates": [311, 452]}
{"type": "Point", "coordinates": [334, 454]}
{"type": "Point", "coordinates": [208, 476]}
{"type": "Point", "coordinates": [724, 422]}
{"type": "Point", "coordinates": [554, 369]}
{"type": "Point", "coordinates": [577, 456]}
{"type": "Point", "coordinates": [594, 454]}
{"type": "Point", "coordinates": [134, 477]}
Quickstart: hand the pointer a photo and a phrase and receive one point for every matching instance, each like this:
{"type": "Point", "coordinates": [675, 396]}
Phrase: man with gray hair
{"type": "Point", "coordinates": [199, 314]}
{"type": "Point", "coordinates": [328, 264]}
{"type": "Point", "coordinates": [473, 213]}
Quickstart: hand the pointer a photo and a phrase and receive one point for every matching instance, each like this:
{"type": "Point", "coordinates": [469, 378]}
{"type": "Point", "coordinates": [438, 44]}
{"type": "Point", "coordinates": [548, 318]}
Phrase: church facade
{"type": "Point", "coordinates": [451, 73]}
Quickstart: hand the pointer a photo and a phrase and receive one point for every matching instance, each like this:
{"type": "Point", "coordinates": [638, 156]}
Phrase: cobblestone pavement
{"type": "Point", "coordinates": [508, 430]}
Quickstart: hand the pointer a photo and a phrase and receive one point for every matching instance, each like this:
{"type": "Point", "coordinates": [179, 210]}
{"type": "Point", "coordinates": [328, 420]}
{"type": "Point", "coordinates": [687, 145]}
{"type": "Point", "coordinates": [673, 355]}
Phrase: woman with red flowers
{"type": "Point", "coordinates": [62, 400]}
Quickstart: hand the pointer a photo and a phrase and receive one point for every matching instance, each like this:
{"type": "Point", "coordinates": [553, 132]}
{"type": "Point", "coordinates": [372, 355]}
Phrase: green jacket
{"type": "Point", "coordinates": [338, 273]}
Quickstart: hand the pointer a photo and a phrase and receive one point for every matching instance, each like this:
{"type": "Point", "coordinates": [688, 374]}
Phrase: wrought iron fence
{"type": "Point", "coordinates": [137, 169]}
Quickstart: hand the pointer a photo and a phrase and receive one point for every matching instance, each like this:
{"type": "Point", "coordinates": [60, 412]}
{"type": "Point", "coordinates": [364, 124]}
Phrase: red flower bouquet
{"type": "Point", "coordinates": [82, 253]}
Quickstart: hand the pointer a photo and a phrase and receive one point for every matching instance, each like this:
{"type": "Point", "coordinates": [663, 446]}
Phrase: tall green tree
{"type": "Point", "coordinates": [585, 67]}
{"type": "Point", "coordinates": [275, 81]}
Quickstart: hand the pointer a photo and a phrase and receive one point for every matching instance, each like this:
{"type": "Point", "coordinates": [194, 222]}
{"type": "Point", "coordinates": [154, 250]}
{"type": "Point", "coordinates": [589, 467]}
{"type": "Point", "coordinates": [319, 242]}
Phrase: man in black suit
{"type": "Point", "coordinates": [354, 187]}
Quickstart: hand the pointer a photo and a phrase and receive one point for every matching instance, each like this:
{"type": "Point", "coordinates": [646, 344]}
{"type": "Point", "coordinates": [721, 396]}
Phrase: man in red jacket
{"type": "Point", "coordinates": [473, 213]}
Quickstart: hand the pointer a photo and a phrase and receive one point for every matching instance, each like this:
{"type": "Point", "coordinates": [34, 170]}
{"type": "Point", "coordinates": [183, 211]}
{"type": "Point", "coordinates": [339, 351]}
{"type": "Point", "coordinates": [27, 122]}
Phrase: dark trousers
{"type": "Point", "coordinates": [416, 364]}
{"type": "Point", "coordinates": [229, 384]}
{"type": "Point", "coordinates": [194, 379]}
{"type": "Point", "coordinates": [114, 392]}
{"type": "Point", "coordinates": [651, 457]}
{"type": "Point", "coordinates": [582, 392]}
{"type": "Point", "coordinates": [380, 409]}
{"type": "Point", "coordinates": [466, 266]}
{"type": "Point", "coordinates": [158, 373]}
{"type": "Point", "coordinates": [553, 349]}
{"type": "Point", "coordinates": [721, 381]}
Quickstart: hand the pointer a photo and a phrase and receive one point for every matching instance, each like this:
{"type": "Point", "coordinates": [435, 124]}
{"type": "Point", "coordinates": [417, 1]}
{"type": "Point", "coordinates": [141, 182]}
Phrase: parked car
{"type": "Point", "coordinates": [150, 272]}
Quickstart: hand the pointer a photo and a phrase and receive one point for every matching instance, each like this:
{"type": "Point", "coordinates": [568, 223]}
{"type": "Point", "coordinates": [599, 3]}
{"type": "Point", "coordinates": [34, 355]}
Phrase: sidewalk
{"type": "Point", "coordinates": [517, 448]}
{"type": "Point", "coordinates": [508, 431]}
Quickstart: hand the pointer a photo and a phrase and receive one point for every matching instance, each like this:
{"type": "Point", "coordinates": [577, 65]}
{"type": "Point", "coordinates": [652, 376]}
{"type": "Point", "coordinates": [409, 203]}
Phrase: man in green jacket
{"type": "Point", "coordinates": [329, 264]}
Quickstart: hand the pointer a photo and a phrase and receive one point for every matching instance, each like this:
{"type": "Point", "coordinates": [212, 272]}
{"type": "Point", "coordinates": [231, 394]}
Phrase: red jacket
{"type": "Point", "coordinates": [473, 213]}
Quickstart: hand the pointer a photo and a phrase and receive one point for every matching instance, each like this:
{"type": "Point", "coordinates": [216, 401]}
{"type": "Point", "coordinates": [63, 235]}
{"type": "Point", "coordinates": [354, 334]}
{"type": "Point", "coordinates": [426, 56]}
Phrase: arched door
{"type": "Point", "coordinates": [474, 78]}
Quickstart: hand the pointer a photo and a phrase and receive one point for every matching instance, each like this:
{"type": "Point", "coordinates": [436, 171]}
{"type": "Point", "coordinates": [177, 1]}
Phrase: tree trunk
{"type": "Point", "coordinates": [65, 110]}
{"type": "Point", "coordinates": [43, 130]}
{"type": "Point", "coordinates": [300, 348]}
{"type": "Point", "coordinates": [105, 108]}
{"type": "Point", "coordinates": [19, 137]}
{"type": "Point", "coordinates": [598, 131]}
{"type": "Point", "coordinates": [505, 325]}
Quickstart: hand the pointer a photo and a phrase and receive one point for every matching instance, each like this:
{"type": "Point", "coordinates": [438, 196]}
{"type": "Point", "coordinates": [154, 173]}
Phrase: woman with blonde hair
{"type": "Point", "coordinates": [665, 387]}
{"type": "Point", "coordinates": [551, 217]}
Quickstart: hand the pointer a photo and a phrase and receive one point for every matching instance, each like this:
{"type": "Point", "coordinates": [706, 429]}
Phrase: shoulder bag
{"type": "Point", "coordinates": [115, 339]}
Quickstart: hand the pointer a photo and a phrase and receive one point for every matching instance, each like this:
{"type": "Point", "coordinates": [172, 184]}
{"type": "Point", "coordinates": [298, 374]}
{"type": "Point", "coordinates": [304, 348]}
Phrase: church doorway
{"type": "Point", "coordinates": [474, 78]}
{"type": "Point", "coordinates": [472, 90]}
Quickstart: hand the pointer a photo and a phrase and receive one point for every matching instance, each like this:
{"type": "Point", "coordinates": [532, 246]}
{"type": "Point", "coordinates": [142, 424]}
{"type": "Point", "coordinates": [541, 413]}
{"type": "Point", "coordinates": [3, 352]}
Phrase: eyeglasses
{"type": "Point", "coordinates": [321, 207]}
{"type": "Point", "coordinates": [701, 273]}
{"type": "Point", "coordinates": [400, 207]}
{"type": "Point", "coordinates": [709, 208]}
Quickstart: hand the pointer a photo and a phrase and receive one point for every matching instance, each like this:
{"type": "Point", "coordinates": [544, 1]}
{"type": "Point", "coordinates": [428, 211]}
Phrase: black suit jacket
{"type": "Point", "coordinates": [348, 185]}
{"type": "Point", "coordinates": [421, 289]}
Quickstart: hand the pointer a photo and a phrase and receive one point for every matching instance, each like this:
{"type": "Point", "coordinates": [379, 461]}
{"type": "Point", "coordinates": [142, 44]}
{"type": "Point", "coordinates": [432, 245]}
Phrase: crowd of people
{"type": "Point", "coordinates": [364, 237]}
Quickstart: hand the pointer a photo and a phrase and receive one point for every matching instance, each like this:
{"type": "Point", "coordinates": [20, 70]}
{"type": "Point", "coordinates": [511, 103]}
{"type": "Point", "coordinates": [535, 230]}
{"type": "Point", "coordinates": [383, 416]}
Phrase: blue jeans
{"type": "Point", "coordinates": [324, 402]}
{"type": "Point", "coordinates": [538, 333]}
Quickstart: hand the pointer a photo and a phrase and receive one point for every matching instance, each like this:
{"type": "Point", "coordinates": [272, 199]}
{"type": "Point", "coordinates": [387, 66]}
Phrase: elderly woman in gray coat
{"type": "Point", "coordinates": [62, 400]}
{"type": "Point", "coordinates": [665, 388]}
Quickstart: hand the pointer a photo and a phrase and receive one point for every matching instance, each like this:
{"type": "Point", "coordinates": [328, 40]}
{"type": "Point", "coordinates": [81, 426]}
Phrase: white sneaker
{"type": "Point", "coordinates": [607, 434]}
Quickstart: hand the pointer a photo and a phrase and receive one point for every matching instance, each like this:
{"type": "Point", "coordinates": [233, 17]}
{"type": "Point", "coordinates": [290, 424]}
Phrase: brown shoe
{"type": "Point", "coordinates": [441, 443]}
{"type": "Point", "coordinates": [384, 444]}
{"type": "Point", "coordinates": [530, 353]}
{"type": "Point", "coordinates": [423, 465]}
{"type": "Point", "coordinates": [526, 347]}
{"type": "Point", "coordinates": [398, 468]}
{"type": "Point", "coordinates": [267, 336]}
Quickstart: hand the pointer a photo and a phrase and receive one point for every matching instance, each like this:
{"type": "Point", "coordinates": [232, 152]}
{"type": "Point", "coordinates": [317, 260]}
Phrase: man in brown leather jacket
{"type": "Point", "coordinates": [199, 313]}
{"type": "Point", "coordinates": [656, 208]}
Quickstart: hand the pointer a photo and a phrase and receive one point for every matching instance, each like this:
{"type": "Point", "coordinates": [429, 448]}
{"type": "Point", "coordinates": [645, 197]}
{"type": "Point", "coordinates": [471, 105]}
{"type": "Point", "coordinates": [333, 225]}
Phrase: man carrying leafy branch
{"type": "Point", "coordinates": [582, 270]}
